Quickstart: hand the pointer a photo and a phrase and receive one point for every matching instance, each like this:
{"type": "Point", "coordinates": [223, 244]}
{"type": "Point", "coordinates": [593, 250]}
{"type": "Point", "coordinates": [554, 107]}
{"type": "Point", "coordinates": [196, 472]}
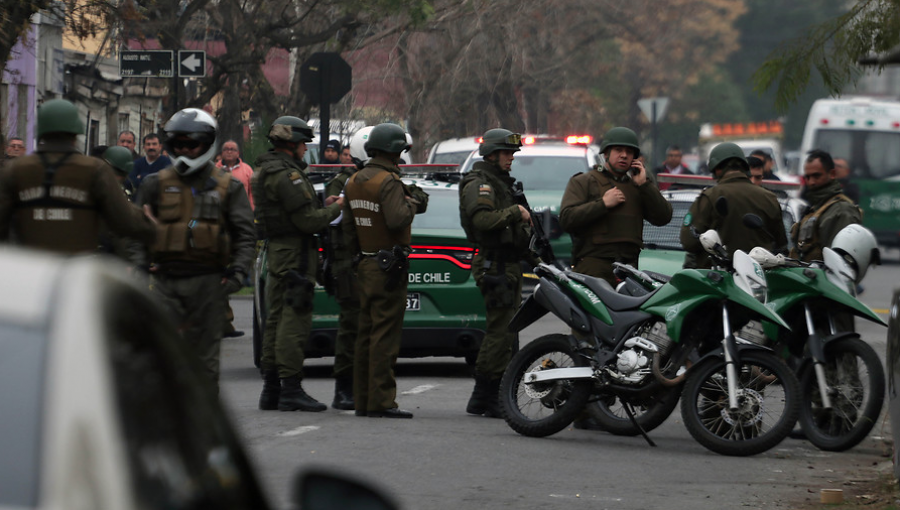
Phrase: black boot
{"type": "Point", "coordinates": [343, 394]}
{"type": "Point", "coordinates": [293, 398]}
{"type": "Point", "coordinates": [268, 399]}
{"type": "Point", "coordinates": [492, 409]}
{"type": "Point", "coordinates": [478, 401]}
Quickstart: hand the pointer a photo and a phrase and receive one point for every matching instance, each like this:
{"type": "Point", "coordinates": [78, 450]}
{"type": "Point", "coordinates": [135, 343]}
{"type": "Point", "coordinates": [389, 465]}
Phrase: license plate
{"type": "Point", "coordinates": [413, 303]}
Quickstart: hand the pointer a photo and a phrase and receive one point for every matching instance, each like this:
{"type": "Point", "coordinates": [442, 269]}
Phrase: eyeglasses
{"type": "Point", "coordinates": [229, 149]}
{"type": "Point", "coordinates": [16, 146]}
{"type": "Point", "coordinates": [185, 144]}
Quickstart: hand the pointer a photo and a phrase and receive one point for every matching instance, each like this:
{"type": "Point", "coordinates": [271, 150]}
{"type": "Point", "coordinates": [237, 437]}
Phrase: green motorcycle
{"type": "Point", "coordinates": [738, 398]}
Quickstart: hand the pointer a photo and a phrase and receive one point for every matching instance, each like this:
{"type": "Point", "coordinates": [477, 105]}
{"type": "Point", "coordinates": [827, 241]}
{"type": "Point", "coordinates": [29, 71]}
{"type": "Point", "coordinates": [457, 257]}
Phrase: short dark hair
{"type": "Point", "coordinates": [98, 150]}
{"type": "Point", "coordinates": [755, 162]}
{"type": "Point", "coordinates": [761, 154]}
{"type": "Point", "coordinates": [128, 132]}
{"type": "Point", "coordinates": [673, 148]}
{"type": "Point", "coordinates": [824, 157]}
{"type": "Point", "coordinates": [151, 136]}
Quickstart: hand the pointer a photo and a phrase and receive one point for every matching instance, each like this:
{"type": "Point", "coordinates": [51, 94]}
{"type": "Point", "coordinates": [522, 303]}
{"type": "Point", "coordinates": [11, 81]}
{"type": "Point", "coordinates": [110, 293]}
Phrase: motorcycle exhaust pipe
{"type": "Point", "coordinates": [657, 372]}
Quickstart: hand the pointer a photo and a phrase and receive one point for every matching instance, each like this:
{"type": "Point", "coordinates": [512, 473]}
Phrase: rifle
{"type": "Point", "coordinates": [540, 243]}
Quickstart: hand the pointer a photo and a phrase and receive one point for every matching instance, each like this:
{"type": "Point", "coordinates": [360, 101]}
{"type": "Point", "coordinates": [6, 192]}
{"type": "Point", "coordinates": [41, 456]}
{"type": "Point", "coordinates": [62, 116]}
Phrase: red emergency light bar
{"type": "Point", "coordinates": [535, 139]}
{"type": "Point", "coordinates": [772, 127]}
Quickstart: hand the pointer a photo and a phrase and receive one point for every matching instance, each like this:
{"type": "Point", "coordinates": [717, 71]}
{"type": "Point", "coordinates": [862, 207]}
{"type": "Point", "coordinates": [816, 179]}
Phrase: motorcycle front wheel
{"type": "Point", "coordinates": [768, 396]}
{"type": "Point", "coordinates": [543, 409]}
{"type": "Point", "coordinates": [856, 386]}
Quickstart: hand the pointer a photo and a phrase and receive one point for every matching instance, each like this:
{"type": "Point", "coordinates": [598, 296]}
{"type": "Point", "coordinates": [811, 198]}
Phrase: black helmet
{"type": "Point", "coordinates": [620, 137]}
{"type": "Point", "coordinates": [197, 125]}
{"type": "Point", "coordinates": [290, 129]}
{"type": "Point", "coordinates": [387, 137]}
{"type": "Point", "coordinates": [499, 140]}
{"type": "Point", "coordinates": [725, 151]}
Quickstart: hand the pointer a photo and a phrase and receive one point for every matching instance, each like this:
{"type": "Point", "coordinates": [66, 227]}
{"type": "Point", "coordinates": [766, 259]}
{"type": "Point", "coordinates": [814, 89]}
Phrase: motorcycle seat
{"type": "Point", "coordinates": [612, 299]}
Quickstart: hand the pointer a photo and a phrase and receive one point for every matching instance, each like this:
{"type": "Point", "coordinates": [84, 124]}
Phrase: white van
{"type": "Point", "coordinates": [452, 151]}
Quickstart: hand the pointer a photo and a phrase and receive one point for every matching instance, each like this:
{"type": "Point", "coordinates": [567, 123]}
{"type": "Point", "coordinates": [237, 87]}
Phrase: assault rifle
{"type": "Point", "coordinates": [540, 243]}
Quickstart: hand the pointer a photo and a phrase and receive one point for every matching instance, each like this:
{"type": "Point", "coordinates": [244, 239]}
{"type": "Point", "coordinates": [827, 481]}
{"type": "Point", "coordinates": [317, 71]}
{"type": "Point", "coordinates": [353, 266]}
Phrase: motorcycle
{"type": "Point", "coordinates": [738, 398]}
{"type": "Point", "coordinates": [840, 375]}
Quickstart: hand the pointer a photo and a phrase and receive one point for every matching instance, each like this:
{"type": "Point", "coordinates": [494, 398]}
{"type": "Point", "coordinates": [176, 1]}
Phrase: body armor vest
{"type": "Point", "coordinates": [271, 217]}
{"type": "Point", "coordinates": [508, 243]}
{"type": "Point", "coordinates": [623, 223]}
{"type": "Point", "coordinates": [371, 229]}
{"type": "Point", "coordinates": [192, 226]}
{"type": "Point", "coordinates": [805, 232]}
{"type": "Point", "coordinates": [54, 208]}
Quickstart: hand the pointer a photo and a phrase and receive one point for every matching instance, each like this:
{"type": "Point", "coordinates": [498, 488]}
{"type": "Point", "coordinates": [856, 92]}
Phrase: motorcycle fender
{"type": "Point", "coordinates": [528, 313]}
{"type": "Point", "coordinates": [719, 352]}
{"type": "Point", "coordinates": [552, 297]}
{"type": "Point", "coordinates": [558, 374]}
{"type": "Point", "coordinates": [808, 360]}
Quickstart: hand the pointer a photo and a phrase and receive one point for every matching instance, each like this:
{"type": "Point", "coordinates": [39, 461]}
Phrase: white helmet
{"type": "Point", "coordinates": [197, 125]}
{"type": "Point", "coordinates": [358, 143]}
{"type": "Point", "coordinates": [857, 245]}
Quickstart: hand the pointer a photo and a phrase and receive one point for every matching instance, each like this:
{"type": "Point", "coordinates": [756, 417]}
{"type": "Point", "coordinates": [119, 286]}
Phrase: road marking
{"type": "Point", "coordinates": [883, 311]}
{"type": "Point", "coordinates": [297, 431]}
{"type": "Point", "coordinates": [420, 389]}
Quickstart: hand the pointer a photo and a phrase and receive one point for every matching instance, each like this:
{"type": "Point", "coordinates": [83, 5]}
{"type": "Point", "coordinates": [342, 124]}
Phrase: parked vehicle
{"type": "Point", "coordinates": [738, 398]}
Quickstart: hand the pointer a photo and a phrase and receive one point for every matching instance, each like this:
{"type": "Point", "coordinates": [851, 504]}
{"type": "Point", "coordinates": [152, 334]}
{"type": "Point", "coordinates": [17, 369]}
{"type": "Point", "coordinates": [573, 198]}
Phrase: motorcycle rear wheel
{"type": "Point", "coordinates": [854, 375]}
{"type": "Point", "coordinates": [768, 404]}
{"type": "Point", "coordinates": [650, 413]}
{"type": "Point", "coordinates": [543, 409]}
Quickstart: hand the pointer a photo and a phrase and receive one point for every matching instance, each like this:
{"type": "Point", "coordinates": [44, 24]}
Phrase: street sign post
{"type": "Point", "coordinates": [654, 109]}
{"type": "Point", "coordinates": [191, 63]}
{"type": "Point", "coordinates": [325, 78]}
{"type": "Point", "coordinates": [146, 64]}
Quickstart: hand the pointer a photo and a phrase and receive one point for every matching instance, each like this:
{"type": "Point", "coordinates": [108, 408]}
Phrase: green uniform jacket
{"type": "Point", "coordinates": [489, 214]}
{"type": "Point", "coordinates": [336, 185]}
{"type": "Point", "coordinates": [743, 197]}
{"type": "Point", "coordinates": [832, 220]}
{"type": "Point", "coordinates": [237, 213]}
{"type": "Point", "coordinates": [600, 232]}
{"type": "Point", "coordinates": [282, 185]}
{"type": "Point", "coordinates": [396, 210]}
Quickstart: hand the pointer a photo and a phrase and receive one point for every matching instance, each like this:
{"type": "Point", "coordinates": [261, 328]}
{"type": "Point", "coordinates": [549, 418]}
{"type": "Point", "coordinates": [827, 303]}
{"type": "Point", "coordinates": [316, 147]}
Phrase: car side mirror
{"type": "Point", "coordinates": [319, 490]}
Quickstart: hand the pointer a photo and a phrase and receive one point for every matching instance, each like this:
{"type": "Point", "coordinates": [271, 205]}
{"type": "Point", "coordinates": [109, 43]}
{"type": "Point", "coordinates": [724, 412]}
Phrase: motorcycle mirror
{"type": "Point", "coordinates": [753, 221]}
{"type": "Point", "coordinates": [722, 206]}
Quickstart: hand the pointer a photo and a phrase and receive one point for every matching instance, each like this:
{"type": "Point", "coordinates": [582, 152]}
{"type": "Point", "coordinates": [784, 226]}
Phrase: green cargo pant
{"type": "Point", "coordinates": [197, 306]}
{"type": "Point", "coordinates": [501, 303]}
{"type": "Point", "coordinates": [347, 295]}
{"type": "Point", "coordinates": [287, 328]}
{"type": "Point", "coordinates": [378, 343]}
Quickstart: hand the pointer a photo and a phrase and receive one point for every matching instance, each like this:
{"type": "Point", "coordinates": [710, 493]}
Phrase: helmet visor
{"type": "Point", "coordinates": [513, 139]}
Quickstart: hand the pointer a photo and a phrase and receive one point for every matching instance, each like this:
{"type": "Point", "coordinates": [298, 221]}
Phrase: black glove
{"type": "Point", "coordinates": [234, 281]}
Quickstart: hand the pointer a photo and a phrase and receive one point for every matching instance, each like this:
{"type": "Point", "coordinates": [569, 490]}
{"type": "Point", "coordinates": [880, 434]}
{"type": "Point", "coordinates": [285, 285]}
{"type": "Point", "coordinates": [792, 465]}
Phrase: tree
{"type": "Point", "coordinates": [833, 48]}
{"type": "Point", "coordinates": [15, 19]}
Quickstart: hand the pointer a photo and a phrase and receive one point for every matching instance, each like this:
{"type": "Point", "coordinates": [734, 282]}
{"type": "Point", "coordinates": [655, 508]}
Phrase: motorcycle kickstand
{"type": "Point", "coordinates": [629, 410]}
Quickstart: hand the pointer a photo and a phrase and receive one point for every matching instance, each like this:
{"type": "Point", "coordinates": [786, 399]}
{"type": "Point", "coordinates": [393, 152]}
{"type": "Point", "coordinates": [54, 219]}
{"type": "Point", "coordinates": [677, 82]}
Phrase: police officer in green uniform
{"type": "Point", "coordinates": [288, 215]}
{"type": "Point", "coordinates": [604, 209]}
{"type": "Point", "coordinates": [830, 210]}
{"type": "Point", "coordinates": [501, 229]}
{"type": "Point", "coordinates": [344, 287]}
{"type": "Point", "coordinates": [57, 199]}
{"type": "Point", "coordinates": [377, 216]}
{"type": "Point", "coordinates": [730, 167]}
{"type": "Point", "coordinates": [205, 242]}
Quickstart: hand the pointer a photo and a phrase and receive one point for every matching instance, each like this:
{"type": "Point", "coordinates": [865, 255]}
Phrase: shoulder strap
{"type": "Point", "coordinates": [601, 179]}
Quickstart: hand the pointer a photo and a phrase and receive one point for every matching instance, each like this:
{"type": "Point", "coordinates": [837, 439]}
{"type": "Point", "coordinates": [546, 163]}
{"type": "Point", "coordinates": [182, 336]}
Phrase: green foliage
{"type": "Point", "coordinates": [257, 145]}
{"type": "Point", "coordinates": [832, 49]}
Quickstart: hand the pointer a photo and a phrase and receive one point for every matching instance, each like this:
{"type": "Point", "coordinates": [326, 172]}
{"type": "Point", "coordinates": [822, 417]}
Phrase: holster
{"type": "Point", "coordinates": [394, 263]}
{"type": "Point", "coordinates": [497, 290]}
{"type": "Point", "coordinates": [298, 292]}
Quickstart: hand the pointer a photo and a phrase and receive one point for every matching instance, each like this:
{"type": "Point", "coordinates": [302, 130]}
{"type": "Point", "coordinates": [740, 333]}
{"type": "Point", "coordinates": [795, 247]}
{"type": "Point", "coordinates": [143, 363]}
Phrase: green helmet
{"type": "Point", "coordinates": [387, 137]}
{"type": "Point", "coordinates": [290, 129]}
{"type": "Point", "coordinates": [620, 137]}
{"type": "Point", "coordinates": [58, 116]}
{"type": "Point", "coordinates": [725, 151]}
{"type": "Point", "coordinates": [120, 159]}
{"type": "Point", "coordinates": [499, 140]}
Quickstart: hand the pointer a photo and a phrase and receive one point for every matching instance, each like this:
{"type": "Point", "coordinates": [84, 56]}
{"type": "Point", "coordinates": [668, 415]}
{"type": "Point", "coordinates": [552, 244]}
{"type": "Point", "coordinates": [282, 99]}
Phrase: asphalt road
{"type": "Point", "coordinates": [445, 459]}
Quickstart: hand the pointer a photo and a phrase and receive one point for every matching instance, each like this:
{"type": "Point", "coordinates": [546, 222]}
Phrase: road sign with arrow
{"type": "Point", "coordinates": [191, 63]}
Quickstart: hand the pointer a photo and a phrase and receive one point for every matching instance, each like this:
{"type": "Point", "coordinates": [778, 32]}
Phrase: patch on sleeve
{"type": "Point", "coordinates": [484, 189]}
{"type": "Point", "coordinates": [295, 177]}
{"type": "Point", "coordinates": [687, 219]}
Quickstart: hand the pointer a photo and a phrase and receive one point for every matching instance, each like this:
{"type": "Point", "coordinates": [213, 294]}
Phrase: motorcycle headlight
{"type": "Point", "coordinates": [758, 291]}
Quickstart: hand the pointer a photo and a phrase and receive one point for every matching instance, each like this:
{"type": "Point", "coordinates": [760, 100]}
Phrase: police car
{"type": "Point", "coordinates": [544, 165]}
{"type": "Point", "coordinates": [445, 313]}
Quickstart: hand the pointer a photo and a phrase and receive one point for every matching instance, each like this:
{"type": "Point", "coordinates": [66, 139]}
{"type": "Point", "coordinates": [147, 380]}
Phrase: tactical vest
{"type": "Point", "coordinates": [192, 226]}
{"type": "Point", "coordinates": [271, 218]}
{"type": "Point", "coordinates": [371, 229]}
{"type": "Point", "coordinates": [623, 223]}
{"type": "Point", "coordinates": [512, 240]}
{"type": "Point", "coordinates": [805, 232]}
{"type": "Point", "coordinates": [54, 207]}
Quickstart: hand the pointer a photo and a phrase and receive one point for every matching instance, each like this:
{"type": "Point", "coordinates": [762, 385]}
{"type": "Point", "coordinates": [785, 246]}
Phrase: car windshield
{"type": "Point", "coordinates": [451, 158]}
{"type": "Point", "coordinates": [443, 210]}
{"type": "Point", "coordinates": [872, 154]}
{"type": "Point", "coordinates": [549, 173]}
{"type": "Point", "coordinates": [22, 353]}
